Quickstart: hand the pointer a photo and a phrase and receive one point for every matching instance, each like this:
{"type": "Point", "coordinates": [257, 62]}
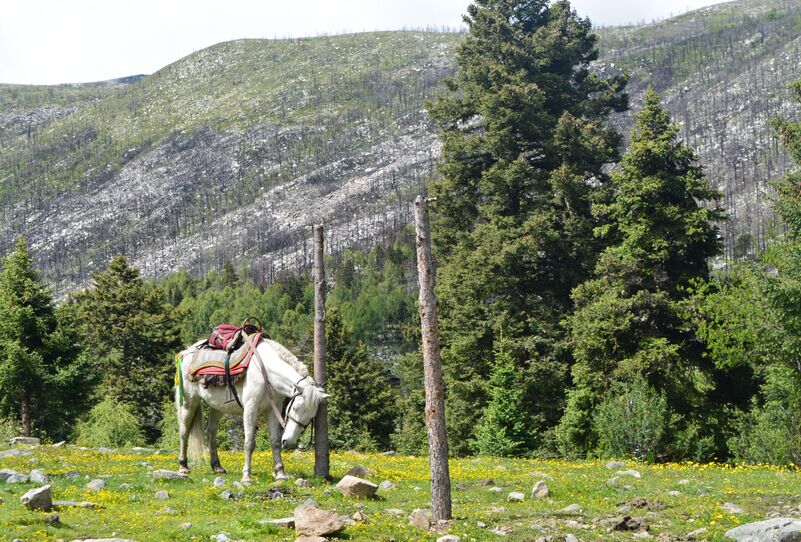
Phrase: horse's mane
{"type": "Point", "coordinates": [288, 357]}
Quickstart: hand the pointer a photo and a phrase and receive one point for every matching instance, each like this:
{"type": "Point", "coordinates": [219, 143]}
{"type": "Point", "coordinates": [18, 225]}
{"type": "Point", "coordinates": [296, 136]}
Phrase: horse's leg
{"type": "Point", "coordinates": [249, 416]}
{"type": "Point", "coordinates": [214, 423]}
{"type": "Point", "coordinates": [275, 444]}
{"type": "Point", "coordinates": [185, 416]}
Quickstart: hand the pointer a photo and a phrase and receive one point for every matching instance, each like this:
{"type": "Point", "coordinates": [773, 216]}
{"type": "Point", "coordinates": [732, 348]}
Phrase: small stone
{"type": "Point", "coordinates": [311, 502]}
{"type": "Point", "coordinates": [422, 519]}
{"type": "Point", "coordinates": [74, 504]}
{"type": "Point", "coordinates": [104, 450]}
{"type": "Point", "coordinates": [481, 525]}
{"type": "Point", "coordinates": [501, 530]}
{"type": "Point", "coordinates": [17, 479]}
{"type": "Point", "coordinates": [5, 474]}
{"type": "Point", "coordinates": [277, 495]}
{"type": "Point", "coordinates": [683, 482]}
{"type": "Point", "coordinates": [386, 485]}
{"type": "Point", "coordinates": [359, 516]}
{"type": "Point", "coordinates": [52, 519]}
{"type": "Point", "coordinates": [538, 474]}
{"type": "Point", "coordinates": [126, 487]}
{"type": "Point", "coordinates": [389, 453]}
{"type": "Point", "coordinates": [96, 484]}
{"type": "Point", "coordinates": [327, 493]}
{"type": "Point", "coordinates": [187, 525]}
{"type": "Point", "coordinates": [311, 539]}
{"type": "Point", "coordinates": [38, 498]}
{"type": "Point", "coordinates": [30, 441]}
{"type": "Point", "coordinates": [161, 474]}
{"type": "Point", "coordinates": [415, 488]}
{"type": "Point", "coordinates": [448, 538]}
{"type": "Point", "coordinates": [461, 486]}
{"type": "Point", "coordinates": [226, 495]}
{"type": "Point", "coordinates": [515, 496]}
{"type": "Point", "coordinates": [631, 524]}
{"type": "Point", "coordinates": [312, 521]}
{"type": "Point", "coordinates": [571, 509]}
{"type": "Point", "coordinates": [540, 490]}
{"type": "Point", "coordinates": [238, 485]}
{"type": "Point", "coordinates": [732, 508]}
{"type": "Point", "coordinates": [14, 453]}
{"type": "Point", "coordinates": [613, 481]}
{"type": "Point", "coordinates": [168, 510]}
{"type": "Point", "coordinates": [693, 535]}
{"type": "Point", "coordinates": [220, 537]}
{"type": "Point", "coordinates": [395, 511]}
{"type": "Point", "coordinates": [486, 482]}
{"type": "Point", "coordinates": [162, 495]}
{"type": "Point", "coordinates": [632, 473]}
{"type": "Point", "coordinates": [218, 482]}
{"type": "Point", "coordinates": [612, 465]}
{"type": "Point", "coordinates": [351, 486]}
{"type": "Point", "coordinates": [59, 444]}
{"type": "Point", "coordinates": [72, 474]}
{"type": "Point", "coordinates": [300, 482]}
{"type": "Point", "coordinates": [571, 538]}
{"type": "Point", "coordinates": [496, 489]}
{"type": "Point", "coordinates": [38, 477]}
{"type": "Point", "coordinates": [674, 493]}
{"type": "Point", "coordinates": [359, 472]}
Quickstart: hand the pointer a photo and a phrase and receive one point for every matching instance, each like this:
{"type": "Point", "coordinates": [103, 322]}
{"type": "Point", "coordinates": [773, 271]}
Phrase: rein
{"type": "Point", "coordinates": [267, 385]}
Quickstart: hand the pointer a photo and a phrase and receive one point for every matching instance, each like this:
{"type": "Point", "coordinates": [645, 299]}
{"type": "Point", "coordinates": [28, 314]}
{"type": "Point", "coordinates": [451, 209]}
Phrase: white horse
{"type": "Point", "coordinates": [288, 377]}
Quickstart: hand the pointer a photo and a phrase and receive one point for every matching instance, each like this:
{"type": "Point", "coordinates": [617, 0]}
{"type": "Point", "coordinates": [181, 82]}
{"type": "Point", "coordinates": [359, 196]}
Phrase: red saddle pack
{"type": "Point", "coordinates": [229, 337]}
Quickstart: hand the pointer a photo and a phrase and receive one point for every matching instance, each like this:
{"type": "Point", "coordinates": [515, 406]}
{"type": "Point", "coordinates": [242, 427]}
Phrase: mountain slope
{"type": "Point", "coordinates": [234, 151]}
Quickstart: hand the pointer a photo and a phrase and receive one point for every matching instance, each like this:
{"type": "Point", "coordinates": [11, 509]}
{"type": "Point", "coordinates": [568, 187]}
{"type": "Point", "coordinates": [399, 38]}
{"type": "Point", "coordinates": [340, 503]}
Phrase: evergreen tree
{"type": "Point", "coordinates": [524, 148]}
{"type": "Point", "coordinates": [628, 321]}
{"type": "Point", "coordinates": [133, 334]}
{"type": "Point", "coordinates": [503, 430]}
{"type": "Point", "coordinates": [362, 403]}
{"type": "Point", "coordinates": [40, 364]}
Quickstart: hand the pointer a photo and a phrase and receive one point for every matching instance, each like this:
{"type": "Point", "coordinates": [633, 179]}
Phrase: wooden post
{"type": "Point", "coordinates": [321, 467]}
{"type": "Point", "coordinates": [432, 367]}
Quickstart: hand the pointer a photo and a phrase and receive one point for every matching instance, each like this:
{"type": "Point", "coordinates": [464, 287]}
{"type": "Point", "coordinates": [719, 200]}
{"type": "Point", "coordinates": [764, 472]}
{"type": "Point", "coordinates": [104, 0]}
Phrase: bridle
{"type": "Point", "coordinates": [288, 416]}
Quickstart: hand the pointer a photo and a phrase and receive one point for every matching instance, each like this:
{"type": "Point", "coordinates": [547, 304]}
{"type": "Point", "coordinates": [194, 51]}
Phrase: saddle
{"type": "Point", "coordinates": [224, 357]}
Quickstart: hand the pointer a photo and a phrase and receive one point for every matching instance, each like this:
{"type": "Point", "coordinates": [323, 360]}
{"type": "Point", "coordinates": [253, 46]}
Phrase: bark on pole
{"type": "Point", "coordinates": [432, 366]}
{"type": "Point", "coordinates": [321, 467]}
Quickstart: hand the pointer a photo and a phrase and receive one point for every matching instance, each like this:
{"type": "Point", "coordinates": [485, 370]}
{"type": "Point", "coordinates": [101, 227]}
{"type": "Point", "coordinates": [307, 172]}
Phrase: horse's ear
{"type": "Point", "coordinates": [324, 397]}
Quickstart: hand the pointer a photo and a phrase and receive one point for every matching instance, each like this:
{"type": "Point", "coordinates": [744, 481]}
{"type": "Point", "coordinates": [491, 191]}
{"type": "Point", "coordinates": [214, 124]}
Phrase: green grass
{"type": "Point", "coordinates": [135, 512]}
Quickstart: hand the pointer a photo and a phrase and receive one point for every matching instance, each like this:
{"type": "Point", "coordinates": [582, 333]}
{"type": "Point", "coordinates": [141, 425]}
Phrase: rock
{"type": "Point", "coordinates": [72, 474]}
{"type": "Point", "coordinates": [139, 449]}
{"type": "Point", "coordinates": [448, 538]}
{"type": "Point", "coordinates": [226, 495]}
{"type": "Point", "coordinates": [288, 523]}
{"type": "Point", "coordinates": [300, 482]}
{"type": "Point", "coordinates": [220, 537]}
{"type": "Point", "coordinates": [17, 479]}
{"type": "Point", "coordinates": [571, 538]}
{"type": "Point", "coordinates": [415, 488]}
{"type": "Point", "coordinates": [359, 472]}
{"type": "Point", "coordinates": [52, 519]}
{"type": "Point", "coordinates": [238, 485]}
{"type": "Point", "coordinates": [501, 530]}
{"type": "Point", "coordinates": [629, 523]}
{"type": "Point", "coordinates": [612, 465]}
{"type": "Point", "coordinates": [74, 504]}
{"type": "Point", "coordinates": [104, 540]}
{"type": "Point", "coordinates": [613, 481]}
{"type": "Point", "coordinates": [59, 444]}
{"type": "Point", "coordinates": [161, 474]}
{"type": "Point", "coordinates": [486, 482]}
{"type": "Point", "coordinates": [38, 498]}
{"type": "Point", "coordinates": [386, 485]}
{"type": "Point", "coordinates": [104, 450]}
{"type": "Point", "coordinates": [395, 511]}
{"type": "Point", "coordinates": [311, 502]}
{"type": "Point", "coordinates": [312, 521]}
{"type": "Point", "coordinates": [96, 484]}
{"type": "Point", "coordinates": [5, 474]}
{"type": "Point", "coordinates": [693, 535]}
{"type": "Point", "coordinates": [311, 539]}
{"type": "Point", "coordinates": [732, 508]}
{"type": "Point", "coordinates": [639, 502]}
{"type": "Point", "coordinates": [14, 453]}
{"type": "Point", "coordinates": [683, 482]}
{"type": "Point", "coordinates": [38, 477]}
{"type": "Point", "coordinates": [277, 495]}
{"type": "Point", "coordinates": [422, 519]}
{"type": "Point", "coordinates": [218, 482]}
{"type": "Point", "coordinates": [187, 525]}
{"type": "Point", "coordinates": [359, 516]}
{"type": "Point", "coordinates": [674, 493]}
{"type": "Point", "coordinates": [540, 490]}
{"type": "Point", "coordinates": [515, 496]}
{"type": "Point", "coordinates": [481, 525]}
{"type": "Point", "coordinates": [571, 509]}
{"type": "Point", "coordinates": [168, 510]}
{"type": "Point", "coordinates": [389, 453]}
{"type": "Point", "coordinates": [632, 473]}
{"type": "Point", "coordinates": [327, 493]}
{"type": "Point", "coordinates": [162, 495]}
{"type": "Point", "coordinates": [461, 486]}
{"type": "Point", "coordinates": [351, 486]}
{"type": "Point", "coordinates": [538, 474]}
{"type": "Point", "coordinates": [773, 530]}
{"type": "Point", "coordinates": [496, 489]}
{"type": "Point", "coordinates": [31, 441]}
{"type": "Point", "coordinates": [126, 487]}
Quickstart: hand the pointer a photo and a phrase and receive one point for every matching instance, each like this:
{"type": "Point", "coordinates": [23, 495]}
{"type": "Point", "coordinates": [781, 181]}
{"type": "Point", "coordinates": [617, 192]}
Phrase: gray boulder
{"type": "Point", "coordinates": [351, 486]}
{"type": "Point", "coordinates": [540, 490]}
{"type": "Point", "coordinates": [38, 477]}
{"type": "Point", "coordinates": [14, 453]}
{"type": "Point", "coordinates": [360, 472]}
{"type": "Point", "coordinates": [422, 519]}
{"type": "Point", "coordinates": [771, 530]}
{"type": "Point", "coordinates": [17, 479]}
{"type": "Point", "coordinates": [5, 474]}
{"type": "Point", "coordinates": [31, 441]}
{"type": "Point", "coordinates": [386, 485]}
{"type": "Point", "coordinates": [312, 521]}
{"type": "Point", "coordinates": [38, 498]}
{"type": "Point", "coordinates": [96, 484]}
{"type": "Point", "coordinates": [161, 474]}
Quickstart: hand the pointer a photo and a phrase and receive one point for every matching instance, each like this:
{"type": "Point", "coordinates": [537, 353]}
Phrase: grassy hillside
{"type": "Point", "coordinates": [680, 498]}
{"type": "Point", "coordinates": [234, 151]}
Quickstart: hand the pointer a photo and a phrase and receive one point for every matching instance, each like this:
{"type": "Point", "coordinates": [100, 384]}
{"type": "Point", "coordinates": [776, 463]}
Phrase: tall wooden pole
{"type": "Point", "coordinates": [432, 364]}
{"type": "Point", "coordinates": [321, 467]}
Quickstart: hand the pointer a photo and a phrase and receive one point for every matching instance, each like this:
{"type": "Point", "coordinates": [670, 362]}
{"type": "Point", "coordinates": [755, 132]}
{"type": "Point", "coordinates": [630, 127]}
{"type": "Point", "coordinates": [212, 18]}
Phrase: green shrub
{"type": "Point", "coordinates": [575, 435]}
{"type": "Point", "coordinates": [168, 426]}
{"type": "Point", "coordinates": [9, 428]}
{"type": "Point", "coordinates": [632, 421]}
{"type": "Point", "coordinates": [110, 423]}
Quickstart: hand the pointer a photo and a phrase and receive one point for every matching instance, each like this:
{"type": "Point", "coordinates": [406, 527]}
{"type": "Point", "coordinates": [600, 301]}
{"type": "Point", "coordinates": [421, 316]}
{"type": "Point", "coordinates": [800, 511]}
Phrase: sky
{"type": "Point", "coordinates": [68, 41]}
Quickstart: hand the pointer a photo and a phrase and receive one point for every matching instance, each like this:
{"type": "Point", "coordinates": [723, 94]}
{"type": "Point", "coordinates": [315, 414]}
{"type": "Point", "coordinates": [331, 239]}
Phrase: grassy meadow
{"type": "Point", "coordinates": [693, 496]}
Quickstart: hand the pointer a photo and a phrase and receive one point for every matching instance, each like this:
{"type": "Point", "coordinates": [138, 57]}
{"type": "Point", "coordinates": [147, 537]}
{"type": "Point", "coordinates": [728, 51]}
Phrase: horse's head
{"type": "Point", "coordinates": [301, 411]}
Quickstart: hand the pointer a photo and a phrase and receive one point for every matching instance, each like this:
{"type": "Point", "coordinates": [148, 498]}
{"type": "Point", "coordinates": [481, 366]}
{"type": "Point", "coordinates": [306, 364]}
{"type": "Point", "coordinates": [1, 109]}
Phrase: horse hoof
{"type": "Point", "coordinates": [220, 470]}
{"type": "Point", "coordinates": [183, 470]}
{"type": "Point", "coordinates": [280, 477]}
{"type": "Point", "coordinates": [247, 482]}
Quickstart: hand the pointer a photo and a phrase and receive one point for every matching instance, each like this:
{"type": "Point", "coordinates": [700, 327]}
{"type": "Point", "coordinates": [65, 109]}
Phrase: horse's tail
{"type": "Point", "coordinates": [197, 449]}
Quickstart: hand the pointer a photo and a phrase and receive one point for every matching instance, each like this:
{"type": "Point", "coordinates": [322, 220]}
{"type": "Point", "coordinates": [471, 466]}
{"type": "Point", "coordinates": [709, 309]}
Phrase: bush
{"type": "Point", "coordinates": [168, 426]}
{"type": "Point", "coordinates": [9, 428]}
{"type": "Point", "coordinates": [575, 435]}
{"type": "Point", "coordinates": [110, 423]}
{"type": "Point", "coordinates": [770, 432]}
{"type": "Point", "coordinates": [632, 420]}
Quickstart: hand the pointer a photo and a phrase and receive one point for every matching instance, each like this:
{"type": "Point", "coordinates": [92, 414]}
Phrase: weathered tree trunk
{"type": "Point", "coordinates": [26, 414]}
{"type": "Point", "coordinates": [434, 385]}
{"type": "Point", "coordinates": [321, 467]}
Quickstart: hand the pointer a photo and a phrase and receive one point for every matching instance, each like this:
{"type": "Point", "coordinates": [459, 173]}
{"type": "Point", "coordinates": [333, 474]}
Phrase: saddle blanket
{"type": "Point", "coordinates": [210, 362]}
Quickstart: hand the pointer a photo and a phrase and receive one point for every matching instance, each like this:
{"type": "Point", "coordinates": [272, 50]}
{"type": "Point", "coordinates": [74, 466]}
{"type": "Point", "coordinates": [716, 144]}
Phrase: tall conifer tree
{"type": "Point", "coordinates": [524, 148]}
